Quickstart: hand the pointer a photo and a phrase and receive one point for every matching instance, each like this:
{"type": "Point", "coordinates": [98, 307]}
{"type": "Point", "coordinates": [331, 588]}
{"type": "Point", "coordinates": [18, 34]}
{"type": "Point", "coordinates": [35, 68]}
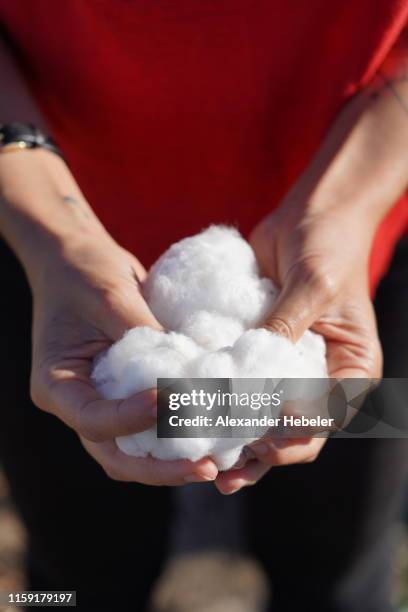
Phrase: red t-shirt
{"type": "Point", "coordinates": [175, 114]}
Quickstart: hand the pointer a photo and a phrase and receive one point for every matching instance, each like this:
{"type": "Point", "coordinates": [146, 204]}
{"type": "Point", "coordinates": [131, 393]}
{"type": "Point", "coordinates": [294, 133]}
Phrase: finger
{"type": "Point", "coordinates": [292, 451]}
{"type": "Point", "coordinates": [127, 312]}
{"type": "Point", "coordinates": [232, 481]}
{"type": "Point", "coordinates": [352, 360]}
{"type": "Point", "coordinates": [78, 404]}
{"type": "Point", "coordinates": [288, 451]}
{"type": "Point", "coordinates": [147, 470]}
{"type": "Point", "coordinates": [302, 300]}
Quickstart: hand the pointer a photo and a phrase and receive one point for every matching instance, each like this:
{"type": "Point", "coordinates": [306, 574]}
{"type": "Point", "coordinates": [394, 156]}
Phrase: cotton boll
{"type": "Point", "coordinates": [216, 244]}
{"type": "Point", "coordinates": [135, 362]}
{"type": "Point", "coordinates": [226, 458]}
{"type": "Point", "coordinates": [261, 354]}
{"type": "Point", "coordinates": [110, 365]}
{"type": "Point", "coordinates": [242, 297]}
{"type": "Point", "coordinates": [143, 371]}
{"type": "Point", "coordinates": [215, 271]}
{"type": "Point", "coordinates": [167, 449]}
{"type": "Point", "coordinates": [218, 364]}
{"type": "Point", "coordinates": [229, 247]}
{"type": "Point", "coordinates": [182, 448]}
{"type": "Point", "coordinates": [224, 452]}
{"type": "Point", "coordinates": [212, 330]}
{"type": "Point", "coordinates": [139, 445]}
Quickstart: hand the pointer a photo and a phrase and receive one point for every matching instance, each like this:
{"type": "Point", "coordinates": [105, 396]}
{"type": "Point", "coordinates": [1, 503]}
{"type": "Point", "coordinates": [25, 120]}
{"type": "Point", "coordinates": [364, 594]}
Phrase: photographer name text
{"type": "Point", "coordinates": [228, 421]}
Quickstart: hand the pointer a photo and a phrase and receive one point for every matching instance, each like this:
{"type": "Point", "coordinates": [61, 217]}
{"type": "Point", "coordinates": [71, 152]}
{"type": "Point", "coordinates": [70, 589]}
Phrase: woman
{"type": "Point", "coordinates": [173, 115]}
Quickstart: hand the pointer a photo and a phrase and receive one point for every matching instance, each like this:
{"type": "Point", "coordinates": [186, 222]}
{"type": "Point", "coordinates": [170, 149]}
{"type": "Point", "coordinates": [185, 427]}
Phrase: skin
{"type": "Point", "coordinates": [86, 287]}
{"type": "Point", "coordinates": [86, 295]}
{"type": "Point", "coordinates": [316, 247]}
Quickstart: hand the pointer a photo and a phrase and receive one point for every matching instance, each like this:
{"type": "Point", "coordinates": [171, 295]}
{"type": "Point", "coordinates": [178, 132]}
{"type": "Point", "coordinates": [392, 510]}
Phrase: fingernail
{"type": "Point", "coordinates": [198, 478]}
{"type": "Point", "coordinates": [209, 471]}
{"type": "Point", "coordinates": [248, 452]}
{"type": "Point", "coordinates": [210, 474]}
{"type": "Point", "coordinates": [261, 448]}
{"type": "Point", "coordinates": [241, 461]}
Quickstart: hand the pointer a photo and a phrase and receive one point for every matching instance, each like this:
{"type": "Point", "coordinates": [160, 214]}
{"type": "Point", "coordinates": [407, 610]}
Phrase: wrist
{"type": "Point", "coordinates": [51, 250]}
{"type": "Point", "coordinates": [356, 212]}
{"type": "Point", "coordinates": [17, 136]}
{"type": "Point", "coordinates": [42, 211]}
{"type": "Point", "coordinates": [358, 205]}
{"type": "Point", "coordinates": [366, 201]}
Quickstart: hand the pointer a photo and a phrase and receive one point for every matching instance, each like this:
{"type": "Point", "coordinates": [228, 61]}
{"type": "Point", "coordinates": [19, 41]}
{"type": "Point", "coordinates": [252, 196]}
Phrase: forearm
{"type": "Point", "coordinates": [42, 210]}
{"type": "Point", "coordinates": [363, 163]}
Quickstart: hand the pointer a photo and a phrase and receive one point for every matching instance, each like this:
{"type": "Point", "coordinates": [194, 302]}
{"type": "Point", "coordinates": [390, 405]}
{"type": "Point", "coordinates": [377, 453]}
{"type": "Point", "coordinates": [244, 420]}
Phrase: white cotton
{"type": "Point", "coordinates": [146, 442]}
{"type": "Point", "coordinates": [216, 364]}
{"type": "Point", "coordinates": [211, 330]}
{"type": "Point", "coordinates": [215, 271]}
{"type": "Point", "coordinates": [143, 354]}
{"type": "Point", "coordinates": [207, 291]}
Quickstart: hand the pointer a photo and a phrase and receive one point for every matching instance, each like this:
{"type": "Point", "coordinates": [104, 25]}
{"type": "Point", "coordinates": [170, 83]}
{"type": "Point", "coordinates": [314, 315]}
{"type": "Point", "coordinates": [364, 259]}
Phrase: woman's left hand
{"type": "Point", "coordinates": [316, 248]}
{"type": "Point", "coordinates": [319, 260]}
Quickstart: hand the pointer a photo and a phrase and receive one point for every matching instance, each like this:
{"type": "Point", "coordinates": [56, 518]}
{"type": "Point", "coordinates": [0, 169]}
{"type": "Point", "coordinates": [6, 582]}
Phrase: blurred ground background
{"type": "Point", "coordinates": [12, 542]}
{"type": "Point", "coordinates": [218, 582]}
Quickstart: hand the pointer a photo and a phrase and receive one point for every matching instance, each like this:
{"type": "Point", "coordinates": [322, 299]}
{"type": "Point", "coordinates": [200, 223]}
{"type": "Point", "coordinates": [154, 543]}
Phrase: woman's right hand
{"type": "Point", "coordinates": [86, 295]}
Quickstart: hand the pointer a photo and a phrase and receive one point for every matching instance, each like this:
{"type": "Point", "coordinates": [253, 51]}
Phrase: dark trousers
{"type": "Point", "coordinates": [323, 531]}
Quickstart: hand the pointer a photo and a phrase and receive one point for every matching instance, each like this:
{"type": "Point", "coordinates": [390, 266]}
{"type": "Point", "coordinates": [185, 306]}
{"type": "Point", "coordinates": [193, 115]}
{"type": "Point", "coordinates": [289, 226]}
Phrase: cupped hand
{"type": "Point", "coordinates": [319, 259]}
{"type": "Point", "coordinates": [85, 297]}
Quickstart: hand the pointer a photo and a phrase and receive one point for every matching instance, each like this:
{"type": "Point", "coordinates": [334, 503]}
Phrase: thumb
{"type": "Point", "coordinates": [128, 313]}
{"type": "Point", "coordinates": [303, 299]}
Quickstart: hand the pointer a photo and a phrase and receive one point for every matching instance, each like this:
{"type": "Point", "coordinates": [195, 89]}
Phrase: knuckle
{"type": "Point", "coordinates": [114, 298]}
{"type": "Point", "coordinates": [311, 458]}
{"type": "Point", "coordinates": [35, 395]}
{"type": "Point", "coordinates": [113, 473]}
{"type": "Point", "coordinates": [320, 280]}
{"type": "Point", "coordinates": [90, 433]}
{"type": "Point", "coordinates": [87, 429]}
{"type": "Point", "coordinates": [280, 459]}
{"type": "Point", "coordinates": [324, 285]}
{"type": "Point", "coordinates": [112, 469]}
{"type": "Point", "coordinates": [123, 424]}
{"type": "Point", "coordinates": [39, 393]}
{"type": "Point", "coordinates": [281, 327]}
{"type": "Point", "coordinates": [276, 457]}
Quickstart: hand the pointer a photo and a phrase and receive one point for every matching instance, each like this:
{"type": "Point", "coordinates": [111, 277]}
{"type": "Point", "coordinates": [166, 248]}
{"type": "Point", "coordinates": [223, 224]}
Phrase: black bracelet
{"type": "Point", "coordinates": [18, 136]}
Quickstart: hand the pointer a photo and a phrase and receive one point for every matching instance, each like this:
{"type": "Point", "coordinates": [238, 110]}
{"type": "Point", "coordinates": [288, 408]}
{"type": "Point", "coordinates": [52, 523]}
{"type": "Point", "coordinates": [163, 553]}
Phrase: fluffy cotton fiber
{"type": "Point", "coordinates": [207, 290]}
